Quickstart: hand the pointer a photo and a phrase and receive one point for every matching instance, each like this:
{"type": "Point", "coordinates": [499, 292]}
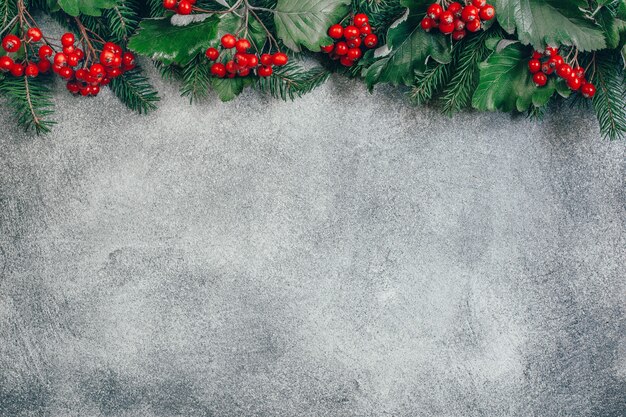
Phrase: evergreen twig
{"type": "Point", "coordinates": [292, 81]}
{"type": "Point", "coordinates": [31, 100]}
{"type": "Point", "coordinates": [134, 90]}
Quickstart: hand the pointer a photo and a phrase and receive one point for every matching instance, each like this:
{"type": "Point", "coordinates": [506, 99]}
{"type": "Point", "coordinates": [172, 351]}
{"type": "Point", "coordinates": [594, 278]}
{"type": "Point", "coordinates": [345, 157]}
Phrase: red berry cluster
{"type": "Point", "coordinates": [12, 44]}
{"type": "Point", "coordinates": [242, 63]}
{"type": "Point", "coordinates": [457, 19]}
{"type": "Point", "coordinates": [180, 7]}
{"type": "Point", "coordinates": [350, 39]}
{"type": "Point", "coordinates": [543, 64]}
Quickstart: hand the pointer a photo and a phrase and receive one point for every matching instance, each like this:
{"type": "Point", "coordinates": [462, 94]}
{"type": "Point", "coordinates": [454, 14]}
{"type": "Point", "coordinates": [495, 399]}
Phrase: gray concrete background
{"type": "Point", "coordinates": [343, 255]}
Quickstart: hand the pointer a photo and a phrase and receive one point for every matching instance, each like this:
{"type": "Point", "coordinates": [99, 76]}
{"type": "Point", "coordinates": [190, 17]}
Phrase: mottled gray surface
{"type": "Point", "coordinates": [345, 255]}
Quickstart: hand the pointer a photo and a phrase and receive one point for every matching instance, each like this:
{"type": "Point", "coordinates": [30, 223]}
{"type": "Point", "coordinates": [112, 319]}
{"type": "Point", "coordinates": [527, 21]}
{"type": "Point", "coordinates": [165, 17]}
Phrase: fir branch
{"type": "Point", "coordinates": [609, 102]}
{"type": "Point", "coordinates": [122, 21]}
{"type": "Point", "coordinates": [8, 10]}
{"type": "Point", "coordinates": [196, 79]}
{"type": "Point", "coordinates": [155, 8]}
{"type": "Point", "coordinates": [430, 83]}
{"type": "Point", "coordinates": [168, 72]}
{"type": "Point", "coordinates": [31, 100]}
{"type": "Point", "coordinates": [381, 13]}
{"type": "Point", "coordinates": [293, 81]}
{"type": "Point", "coordinates": [135, 91]}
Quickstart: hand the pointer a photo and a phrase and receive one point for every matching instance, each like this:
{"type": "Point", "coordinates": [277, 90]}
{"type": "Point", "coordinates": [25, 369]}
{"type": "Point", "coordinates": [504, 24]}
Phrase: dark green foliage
{"type": "Point", "coordinates": [292, 81]}
{"type": "Point", "coordinates": [196, 79]}
{"type": "Point", "coordinates": [135, 91]}
{"type": "Point", "coordinates": [8, 8]}
{"type": "Point", "coordinates": [609, 102]}
{"type": "Point", "coordinates": [430, 82]}
{"type": "Point", "coordinates": [122, 20]}
{"type": "Point", "coordinates": [31, 101]}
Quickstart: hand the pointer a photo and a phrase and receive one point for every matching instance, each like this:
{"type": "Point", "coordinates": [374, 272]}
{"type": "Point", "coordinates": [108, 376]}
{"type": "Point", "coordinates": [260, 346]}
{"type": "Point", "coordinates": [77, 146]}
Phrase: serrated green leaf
{"type": "Point", "coordinates": [506, 84]}
{"type": "Point", "coordinates": [410, 49]}
{"type": "Point", "coordinates": [164, 42]}
{"type": "Point", "coordinates": [87, 7]}
{"type": "Point", "coordinates": [550, 22]}
{"type": "Point", "coordinates": [229, 88]}
{"type": "Point", "coordinates": [303, 23]}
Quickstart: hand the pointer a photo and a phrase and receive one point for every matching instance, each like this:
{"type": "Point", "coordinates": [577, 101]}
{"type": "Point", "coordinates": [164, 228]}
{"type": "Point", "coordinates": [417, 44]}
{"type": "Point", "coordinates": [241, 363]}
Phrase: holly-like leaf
{"type": "Point", "coordinates": [550, 22]}
{"type": "Point", "coordinates": [410, 48]}
{"type": "Point", "coordinates": [164, 42]}
{"type": "Point", "coordinates": [87, 7]}
{"type": "Point", "coordinates": [229, 88]}
{"type": "Point", "coordinates": [506, 84]}
{"type": "Point", "coordinates": [303, 23]}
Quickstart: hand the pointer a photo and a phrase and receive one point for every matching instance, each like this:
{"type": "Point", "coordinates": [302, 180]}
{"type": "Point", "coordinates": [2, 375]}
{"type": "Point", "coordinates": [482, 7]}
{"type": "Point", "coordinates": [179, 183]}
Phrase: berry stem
{"type": "Point", "coordinates": [91, 51]}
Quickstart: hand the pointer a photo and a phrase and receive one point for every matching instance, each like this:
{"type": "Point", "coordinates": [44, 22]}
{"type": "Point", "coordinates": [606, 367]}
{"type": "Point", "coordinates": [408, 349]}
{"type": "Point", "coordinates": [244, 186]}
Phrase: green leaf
{"type": "Point", "coordinates": [229, 88]}
{"type": "Point", "coordinates": [162, 41]}
{"type": "Point", "coordinates": [303, 23]}
{"type": "Point", "coordinates": [87, 7]}
{"type": "Point", "coordinates": [506, 84]}
{"type": "Point", "coordinates": [410, 48]}
{"type": "Point", "coordinates": [550, 22]}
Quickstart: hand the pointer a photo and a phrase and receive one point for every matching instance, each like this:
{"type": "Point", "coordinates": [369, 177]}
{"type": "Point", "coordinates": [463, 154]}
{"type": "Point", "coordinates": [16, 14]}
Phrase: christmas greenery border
{"type": "Point", "coordinates": [487, 70]}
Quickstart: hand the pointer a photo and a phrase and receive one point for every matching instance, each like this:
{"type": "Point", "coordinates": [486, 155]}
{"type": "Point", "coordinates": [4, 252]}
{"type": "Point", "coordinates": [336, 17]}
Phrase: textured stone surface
{"type": "Point", "coordinates": [261, 258]}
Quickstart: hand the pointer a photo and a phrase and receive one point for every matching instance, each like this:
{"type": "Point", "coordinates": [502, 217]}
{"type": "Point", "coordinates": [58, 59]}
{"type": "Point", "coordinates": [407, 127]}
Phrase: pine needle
{"type": "Point", "coordinates": [292, 81]}
{"type": "Point", "coordinates": [609, 102]}
{"type": "Point", "coordinates": [196, 79]}
{"type": "Point", "coordinates": [31, 100]}
{"type": "Point", "coordinates": [134, 90]}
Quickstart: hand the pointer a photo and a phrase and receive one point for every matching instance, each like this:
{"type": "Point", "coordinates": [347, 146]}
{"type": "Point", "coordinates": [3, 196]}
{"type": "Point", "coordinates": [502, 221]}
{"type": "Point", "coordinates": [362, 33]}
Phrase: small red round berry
{"type": "Point", "coordinates": [279, 59]}
{"type": "Point", "coordinates": [459, 24]}
{"type": "Point", "coordinates": [456, 8]}
{"type": "Point", "coordinates": [128, 60]}
{"type": "Point", "coordinates": [487, 13]}
{"type": "Point", "coordinates": [360, 19]}
{"type": "Point", "coordinates": [68, 39]}
{"type": "Point", "coordinates": [66, 72]}
{"type": "Point", "coordinates": [242, 45]}
{"type": "Point", "coordinates": [79, 53]}
{"type": "Point", "coordinates": [72, 87]}
{"type": "Point", "coordinates": [253, 60]}
{"type": "Point", "coordinates": [31, 70]}
{"type": "Point", "coordinates": [265, 71]}
{"type": "Point", "coordinates": [44, 65]}
{"type": "Point", "coordinates": [212, 54]}
{"type": "Point", "coordinates": [354, 53]}
{"type": "Point", "coordinates": [556, 61]}
{"type": "Point", "coordinates": [479, 3]}
{"type": "Point", "coordinates": [335, 31]}
{"type": "Point", "coordinates": [105, 81]}
{"type": "Point", "coordinates": [169, 4]}
{"type": "Point", "coordinates": [371, 40]}
{"type": "Point", "coordinates": [107, 57]}
{"type": "Point", "coordinates": [469, 13]}
{"type": "Point", "coordinates": [67, 50]}
{"type": "Point", "coordinates": [574, 83]}
{"type": "Point", "coordinates": [45, 51]}
{"type": "Point", "coordinates": [85, 90]}
{"type": "Point", "coordinates": [474, 25]}
{"type": "Point", "coordinates": [428, 23]}
{"type": "Point", "coordinates": [457, 35]}
{"type": "Point", "coordinates": [551, 51]}
{"type": "Point", "coordinates": [231, 67]}
{"type": "Point", "coordinates": [81, 74]}
{"type": "Point", "coordinates": [228, 41]}
{"type": "Point", "coordinates": [184, 7]}
{"type": "Point", "coordinates": [11, 43]}
{"type": "Point", "coordinates": [60, 59]}
{"type": "Point", "coordinates": [546, 68]}
{"type": "Point", "coordinates": [537, 55]}
{"type": "Point", "coordinates": [266, 60]}
{"type": "Point", "coordinates": [534, 65]}
{"type": "Point", "coordinates": [588, 90]}
{"type": "Point", "coordinates": [365, 30]}
{"type": "Point", "coordinates": [346, 62]}
{"type": "Point", "coordinates": [341, 48]}
{"type": "Point", "coordinates": [241, 59]}
{"type": "Point", "coordinates": [579, 72]}
{"type": "Point", "coordinates": [34, 34]}
{"type": "Point", "coordinates": [243, 72]}
{"type": "Point", "coordinates": [446, 17]}
{"type": "Point", "coordinates": [72, 60]}
{"type": "Point", "coordinates": [564, 71]}
{"type": "Point", "coordinates": [113, 72]}
{"type": "Point", "coordinates": [97, 71]}
{"type": "Point", "coordinates": [95, 89]}
{"type": "Point", "coordinates": [434, 10]}
{"type": "Point", "coordinates": [17, 70]}
{"type": "Point", "coordinates": [446, 28]}
{"type": "Point", "coordinates": [354, 43]}
{"type": "Point", "coordinates": [218, 69]}
{"type": "Point", "coordinates": [540, 79]}
{"type": "Point", "coordinates": [113, 47]}
{"type": "Point", "coordinates": [351, 32]}
{"type": "Point", "coordinates": [6, 62]}
{"type": "Point", "coordinates": [328, 48]}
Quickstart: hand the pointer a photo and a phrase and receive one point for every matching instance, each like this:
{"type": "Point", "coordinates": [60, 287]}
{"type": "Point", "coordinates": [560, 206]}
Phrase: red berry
{"type": "Point", "coordinates": [365, 30]}
{"type": "Point", "coordinates": [106, 58]}
{"type": "Point", "coordinates": [266, 60]}
{"type": "Point", "coordinates": [73, 87]}
{"type": "Point", "coordinates": [253, 60]}
{"type": "Point", "coordinates": [128, 60]}
{"type": "Point", "coordinates": [66, 72]}
{"type": "Point", "coordinates": [546, 68]}
{"type": "Point", "coordinates": [351, 32]}
{"type": "Point", "coordinates": [446, 28]}
{"type": "Point", "coordinates": [578, 72]}
{"type": "Point", "coordinates": [534, 65]}
{"type": "Point", "coordinates": [540, 79]}
{"type": "Point", "coordinates": [574, 83]}
{"type": "Point", "coordinates": [113, 47]}
{"type": "Point", "coordinates": [244, 72]}
{"type": "Point", "coordinates": [469, 13]}
{"type": "Point", "coordinates": [184, 7]}
{"type": "Point", "coordinates": [279, 59]}
{"type": "Point", "coordinates": [241, 59]}
{"type": "Point", "coordinates": [95, 90]}
{"type": "Point", "coordinates": [371, 41]}
{"type": "Point", "coordinates": [265, 71]}
{"type": "Point", "coordinates": [17, 70]}
{"type": "Point", "coordinates": [231, 67]}
{"type": "Point", "coordinates": [446, 17]}
{"type": "Point", "coordinates": [68, 39]}
{"type": "Point", "coordinates": [105, 81]}
{"type": "Point", "coordinates": [588, 90]}
{"type": "Point", "coordinates": [69, 49]}
{"type": "Point", "coordinates": [479, 3]}
{"type": "Point", "coordinates": [456, 8]}
{"type": "Point", "coordinates": [242, 45]}
{"type": "Point", "coordinates": [34, 34]}
{"type": "Point", "coordinates": [474, 25]}
{"type": "Point", "coordinates": [564, 71]}
{"type": "Point", "coordinates": [169, 4]}
{"type": "Point", "coordinates": [556, 61]}
{"type": "Point", "coordinates": [45, 51]}
{"type": "Point", "coordinates": [11, 43]}
{"type": "Point", "coordinates": [550, 51]}
{"type": "Point", "coordinates": [354, 43]}
{"type": "Point", "coordinates": [428, 23]}
{"type": "Point", "coordinates": [360, 19]}
{"type": "Point", "coordinates": [218, 69]}
{"type": "Point", "coordinates": [354, 53]}
{"type": "Point", "coordinates": [335, 31]}
{"type": "Point", "coordinates": [537, 55]}
{"type": "Point", "coordinates": [341, 48]}
{"type": "Point", "coordinates": [487, 13]}
{"type": "Point", "coordinates": [81, 74]}
{"type": "Point", "coordinates": [457, 35]}
{"type": "Point", "coordinates": [6, 62]}
{"type": "Point", "coordinates": [113, 72]}
{"type": "Point", "coordinates": [212, 54]}
{"type": "Point", "coordinates": [31, 70]}
{"type": "Point", "coordinates": [72, 60]}
{"type": "Point", "coordinates": [60, 59]}
{"type": "Point", "coordinates": [79, 53]}
{"type": "Point", "coordinates": [346, 62]}
{"type": "Point", "coordinates": [328, 48]}
{"type": "Point", "coordinates": [434, 10]}
{"type": "Point", "coordinates": [459, 24]}
{"type": "Point", "coordinates": [228, 41]}
{"type": "Point", "coordinates": [97, 71]}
